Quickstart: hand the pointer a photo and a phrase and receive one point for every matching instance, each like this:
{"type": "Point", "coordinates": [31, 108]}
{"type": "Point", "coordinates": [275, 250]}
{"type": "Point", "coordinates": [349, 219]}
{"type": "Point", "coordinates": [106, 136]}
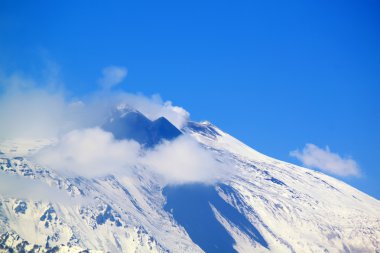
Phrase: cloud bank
{"type": "Point", "coordinates": [327, 161]}
{"type": "Point", "coordinates": [29, 109]}
{"type": "Point", "coordinates": [89, 153]}
{"type": "Point", "coordinates": [94, 153]}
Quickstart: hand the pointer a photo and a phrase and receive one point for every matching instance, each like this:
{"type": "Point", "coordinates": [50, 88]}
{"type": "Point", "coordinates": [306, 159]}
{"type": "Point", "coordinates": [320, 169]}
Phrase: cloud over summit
{"type": "Point", "coordinates": [31, 109]}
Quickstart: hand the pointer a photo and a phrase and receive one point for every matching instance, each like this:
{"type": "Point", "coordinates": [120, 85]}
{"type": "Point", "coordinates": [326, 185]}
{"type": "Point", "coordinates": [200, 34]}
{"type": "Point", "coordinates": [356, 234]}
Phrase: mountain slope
{"type": "Point", "coordinates": [263, 205]}
{"type": "Point", "coordinates": [296, 209]}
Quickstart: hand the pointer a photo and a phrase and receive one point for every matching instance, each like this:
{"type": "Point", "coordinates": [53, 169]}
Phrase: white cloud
{"type": "Point", "coordinates": [112, 75]}
{"type": "Point", "coordinates": [89, 153]}
{"type": "Point", "coordinates": [183, 161]}
{"type": "Point", "coordinates": [93, 152]}
{"type": "Point", "coordinates": [327, 161]}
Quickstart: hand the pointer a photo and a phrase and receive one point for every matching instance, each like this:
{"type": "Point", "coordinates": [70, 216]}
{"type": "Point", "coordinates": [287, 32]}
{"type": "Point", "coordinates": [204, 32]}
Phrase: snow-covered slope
{"type": "Point", "coordinates": [295, 209]}
{"type": "Point", "coordinates": [263, 205]}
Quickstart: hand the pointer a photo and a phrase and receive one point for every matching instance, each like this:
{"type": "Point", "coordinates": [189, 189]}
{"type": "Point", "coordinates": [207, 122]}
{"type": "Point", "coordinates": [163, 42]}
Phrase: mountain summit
{"type": "Point", "coordinates": [127, 123]}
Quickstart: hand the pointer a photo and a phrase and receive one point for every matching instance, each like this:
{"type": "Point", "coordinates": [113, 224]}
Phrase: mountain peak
{"type": "Point", "coordinates": [129, 123]}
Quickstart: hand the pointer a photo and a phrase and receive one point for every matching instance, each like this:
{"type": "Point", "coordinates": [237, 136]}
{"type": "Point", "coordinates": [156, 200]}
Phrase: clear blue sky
{"type": "Point", "coordinates": [275, 74]}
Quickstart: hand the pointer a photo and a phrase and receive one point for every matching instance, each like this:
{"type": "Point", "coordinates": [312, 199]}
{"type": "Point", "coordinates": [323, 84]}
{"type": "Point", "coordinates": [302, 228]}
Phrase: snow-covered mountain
{"type": "Point", "coordinates": [263, 205]}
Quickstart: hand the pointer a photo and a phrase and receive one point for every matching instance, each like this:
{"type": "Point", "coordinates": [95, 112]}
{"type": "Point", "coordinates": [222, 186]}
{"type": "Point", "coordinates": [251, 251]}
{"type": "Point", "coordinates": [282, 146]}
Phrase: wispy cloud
{"type": "Point", "coordinates": [30, 112]}
{"type": "Point", "coordinates": [154, 107]}
{"type": "Point", "coordinates": [327, 161]}
{"type": "Point", "coordinates": [112, 75]}
{"type": "Point", "coordinates": [15, 186]}
{"type": "Point", "coordinates": [33, 109]}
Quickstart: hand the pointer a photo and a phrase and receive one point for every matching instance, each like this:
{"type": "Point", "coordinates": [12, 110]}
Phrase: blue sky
{"type": "Point", "coordinates": [275, 74]}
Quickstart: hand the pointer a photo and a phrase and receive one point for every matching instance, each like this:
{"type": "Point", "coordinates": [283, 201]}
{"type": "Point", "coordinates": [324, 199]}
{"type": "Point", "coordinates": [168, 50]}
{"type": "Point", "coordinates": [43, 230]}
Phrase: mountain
{"type": "Point", "coordinates": [264, 205]}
